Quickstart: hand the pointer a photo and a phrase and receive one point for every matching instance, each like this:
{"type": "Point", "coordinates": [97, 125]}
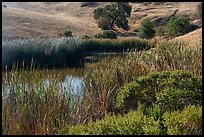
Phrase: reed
{"type": "Point", "coordinates": [104, 79]}
{"type": "Point", "coordinates": [46, 53]}
{"type": "Point", "coordinates": [32, 104]}
{"type": "Point", "coordinates": [116, 45]}
{"type": "Point", "coordinates": [30, 108]}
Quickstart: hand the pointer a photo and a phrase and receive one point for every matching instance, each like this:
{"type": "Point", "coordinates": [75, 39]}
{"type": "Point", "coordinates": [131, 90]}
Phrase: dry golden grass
{"type": "Point", "coordinates": [48, 19]}
{"type": "Point", "coordinates": [194, 39]}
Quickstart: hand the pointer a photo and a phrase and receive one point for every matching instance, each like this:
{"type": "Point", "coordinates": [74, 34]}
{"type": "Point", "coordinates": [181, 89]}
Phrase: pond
{"type": "Point", "coordinates": [61, 80]}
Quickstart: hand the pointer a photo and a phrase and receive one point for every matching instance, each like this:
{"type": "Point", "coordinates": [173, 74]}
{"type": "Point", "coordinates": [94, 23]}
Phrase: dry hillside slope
{"type": "Point", "coordinates": [194, 38]}
{"type": "Point", "coordinates": [48, 19]}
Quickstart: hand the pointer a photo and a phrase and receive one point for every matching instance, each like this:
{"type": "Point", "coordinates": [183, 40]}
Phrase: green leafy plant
{"type": "Point", "coordinates": [104, 23]}
{"type": "Point", "coordinates": [178, 26]}
{"type": "Point", "coordinates": [107, 34]}
{"type": "Point", "coordinates": [171, 90]}
{"type": "Point", "coordinates": [133, 123]}
{"type": "Point", "coordinates": [160, 31]}
{"type": "Point", "coordinates": [185, 122]}
{"type": "Point", "coordinates": [87, 37]}
{"type": "Point", "coordinates": [146, 29]}
{"type": "Point", "coordinates": [67, 33]}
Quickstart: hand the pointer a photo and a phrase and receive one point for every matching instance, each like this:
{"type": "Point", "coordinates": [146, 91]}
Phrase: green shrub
{"type": "Point", "coordinates": [146, 29]}
{"type": "Point", "coordinates": [104, 23]}
{"type": "Point", "coordinates": [154, 111]}
{"type": "Point", "coordinates": [67, 33]}
{"type": "Point", "coordinates": [160, 31]}
{"type": "Point", "coordinates": [107, 34]}
{"type": "Point", "coordinates": [185, 122]}
{"type": "Point", "coordinates": [87, 37]}
{"type": "Point", "coordinates": [133, 123]}
{"type": "Point", "coordinates": [110, 34]}
{"type": "Point", "coordinates": [178, 26]}
{"type": "Point", "coordinates": [171, 90]}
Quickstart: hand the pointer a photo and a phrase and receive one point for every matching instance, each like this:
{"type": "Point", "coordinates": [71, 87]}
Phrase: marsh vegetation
{"type": "Point", "coordinates": [103, 84]}
{"type": "Point", "coordinates": [37, 101]}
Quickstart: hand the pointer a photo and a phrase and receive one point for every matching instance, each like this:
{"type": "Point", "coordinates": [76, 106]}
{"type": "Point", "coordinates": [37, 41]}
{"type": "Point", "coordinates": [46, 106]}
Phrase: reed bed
{"type": "Point", "coordinates": [35, 109]}
{"type": "Point", "coordinates": [45, 53]}
{"type": "Point", "coordinates": [116, 45]}
{"type": "Point", "coordinates": [33, 105]}
{"type": "Point", "coordinates": [104, 79]}
{"type": "Point", "coordinates": [61, 52]}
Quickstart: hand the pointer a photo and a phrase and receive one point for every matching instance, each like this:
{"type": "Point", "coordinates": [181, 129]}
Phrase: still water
{"type": "Point", "coordinates": [69, 80]}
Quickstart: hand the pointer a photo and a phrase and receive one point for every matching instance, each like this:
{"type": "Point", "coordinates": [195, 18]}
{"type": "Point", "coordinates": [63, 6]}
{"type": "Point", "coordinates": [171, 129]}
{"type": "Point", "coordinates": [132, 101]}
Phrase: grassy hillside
{"type": "Point", "coordinates": [44, 19]}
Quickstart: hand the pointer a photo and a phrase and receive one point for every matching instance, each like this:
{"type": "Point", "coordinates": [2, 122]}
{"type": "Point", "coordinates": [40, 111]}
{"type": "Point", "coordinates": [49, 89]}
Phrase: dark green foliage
{"type": "Point", "coordinates": [178, 26]}
{"type": "Point", "coordinates": [186, 122]}
{"type": "Point", "coordinates": [87, 37]}
{"type": "Point", "coordinates": [66, 33]}
{"type": "Point", "coordinates": [160, 31]}
{"type": "Point", "coordinates": [98, 13]}
{"type": "Point", "coordinates": [171, 90]}
{"type": "Point", "coordinates": [104, 23]}
{"type": "Point", "coordinates": [146, 29]}
{"type": "Point", "coordinates": [199, 8]}
{"type": "Point", "coordinates": [133, 123]}
{"type": "Point", "coordinates": [108, 45]}
{"type": "Point", "coordinates": [107, 34]}
{"type": "Point", "coordinates": [115, 13]}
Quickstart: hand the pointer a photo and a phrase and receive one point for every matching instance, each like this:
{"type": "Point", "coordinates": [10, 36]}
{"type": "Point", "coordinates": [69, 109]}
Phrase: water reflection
{"type": "Point", "coordinates": [65, 81]}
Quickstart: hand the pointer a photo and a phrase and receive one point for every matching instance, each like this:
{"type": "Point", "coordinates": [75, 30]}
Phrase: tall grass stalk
{"type": "Point", "coordinates": [32, 105]}
{"type": "Point", "coordinates": [174, 56]}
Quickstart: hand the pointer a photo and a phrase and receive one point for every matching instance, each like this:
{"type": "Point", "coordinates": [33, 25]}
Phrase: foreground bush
{"type": "Point", "coordinates": [133, 123]}
{"type": "Point", "coordinates": [186, 122]}
{"type": "Point", "coordinates": [171, 90]}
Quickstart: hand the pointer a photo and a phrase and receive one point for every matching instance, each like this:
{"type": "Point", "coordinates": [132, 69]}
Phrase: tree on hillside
{"type": "Point", "coordinates": [146, 29]}
{"type": "Point", "coordinates": [178, 26]}
{"type": "Point", "coordinates": [117, 13]}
